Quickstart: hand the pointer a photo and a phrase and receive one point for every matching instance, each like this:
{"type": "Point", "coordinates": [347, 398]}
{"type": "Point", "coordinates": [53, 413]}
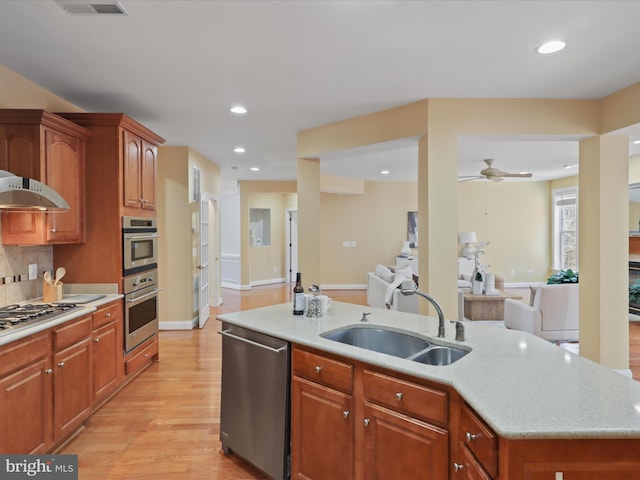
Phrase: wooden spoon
{"type": "Point", "coordinates": [60, 272]}
{"type": "Point", "coordinates": [47, 277]}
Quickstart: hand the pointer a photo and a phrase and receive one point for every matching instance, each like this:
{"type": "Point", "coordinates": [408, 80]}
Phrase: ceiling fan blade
{"type": "Point", "coordinates": [469, 178]}
{"type": "Point", "coordinates": [517, 175]}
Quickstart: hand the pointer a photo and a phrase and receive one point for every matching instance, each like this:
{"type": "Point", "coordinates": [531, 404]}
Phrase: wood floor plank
{"type": "Point", "coordinates": [165, 425]}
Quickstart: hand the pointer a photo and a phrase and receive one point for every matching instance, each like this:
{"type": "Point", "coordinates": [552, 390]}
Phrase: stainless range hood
{"type": "Point", "coordinates": [21, 193]}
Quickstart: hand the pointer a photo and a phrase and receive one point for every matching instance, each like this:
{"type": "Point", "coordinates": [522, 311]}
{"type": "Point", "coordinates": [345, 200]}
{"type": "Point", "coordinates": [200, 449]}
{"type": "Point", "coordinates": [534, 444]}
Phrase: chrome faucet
{"type": "Point", "coordinates": [459, 325]}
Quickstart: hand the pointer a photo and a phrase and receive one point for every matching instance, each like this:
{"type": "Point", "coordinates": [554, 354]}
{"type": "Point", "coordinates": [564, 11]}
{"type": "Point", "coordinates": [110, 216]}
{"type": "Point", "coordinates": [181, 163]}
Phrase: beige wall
{"type": "Point", "coordinates": [514, 218]}
{"type": "Point", "coordinates": [268, 261]}
{"type": "Point", "coordinates": [175, 213]}
{"type": "Point", "coordinates": [376, 221]}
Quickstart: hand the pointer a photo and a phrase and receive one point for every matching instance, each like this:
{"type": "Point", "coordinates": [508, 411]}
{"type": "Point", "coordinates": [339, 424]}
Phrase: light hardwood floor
{"type": "Point", "coordinates": [165, 424]}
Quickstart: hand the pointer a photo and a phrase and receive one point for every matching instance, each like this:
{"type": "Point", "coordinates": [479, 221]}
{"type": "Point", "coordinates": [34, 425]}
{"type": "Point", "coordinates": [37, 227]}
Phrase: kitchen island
{"type": "Point", "coordinates": [540, 411]}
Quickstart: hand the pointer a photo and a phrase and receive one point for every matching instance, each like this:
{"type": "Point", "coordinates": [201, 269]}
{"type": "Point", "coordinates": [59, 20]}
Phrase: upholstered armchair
{"type": "Point", "coordinates": [552, 313]}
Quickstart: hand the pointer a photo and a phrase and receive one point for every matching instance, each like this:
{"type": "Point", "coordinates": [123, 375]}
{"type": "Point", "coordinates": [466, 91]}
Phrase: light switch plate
{"type": "Point", "coordinates": [33, 271]}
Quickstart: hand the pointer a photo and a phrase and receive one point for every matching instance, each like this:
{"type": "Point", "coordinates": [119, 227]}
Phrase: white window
{"type": "Point", "coordinates": [565, 228]}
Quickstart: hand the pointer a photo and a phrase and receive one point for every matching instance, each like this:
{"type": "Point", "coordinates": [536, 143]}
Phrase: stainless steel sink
{"type": "Point", "coordinates": [439, 355]}
{"type": "Point", "coordinates": [378, 339]}
{"type": "Point", "coordinates": [397, 343]}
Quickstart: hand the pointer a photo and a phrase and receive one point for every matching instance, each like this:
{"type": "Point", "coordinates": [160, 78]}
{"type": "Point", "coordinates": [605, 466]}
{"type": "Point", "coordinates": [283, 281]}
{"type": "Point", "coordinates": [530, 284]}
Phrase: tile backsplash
{"type": "Point", "coordinates": [14, 269]}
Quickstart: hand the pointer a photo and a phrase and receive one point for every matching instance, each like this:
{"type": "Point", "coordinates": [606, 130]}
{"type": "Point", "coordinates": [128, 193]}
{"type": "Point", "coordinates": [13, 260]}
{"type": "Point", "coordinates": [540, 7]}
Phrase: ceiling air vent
{"type": "Point", "coordinates": [92, 8]}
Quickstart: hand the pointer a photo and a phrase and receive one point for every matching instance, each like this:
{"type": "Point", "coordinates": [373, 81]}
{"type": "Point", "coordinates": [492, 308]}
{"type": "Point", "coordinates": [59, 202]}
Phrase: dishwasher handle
{"type": "Point", "coordinates": [227, 333]}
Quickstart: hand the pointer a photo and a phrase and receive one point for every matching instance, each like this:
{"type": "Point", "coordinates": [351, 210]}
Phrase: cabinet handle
{"type": "Point", "coordinates": [96, 340]}
{"type": "Point", "coordinates": [398, 396]}
{"type": "Point", "coordinates": [61, 364]}
{"type": "Point", "coordinates": [107, 315]}
{"type": "Point", "coordinates": [366, 422]}
{"type": "Point", "coordinates": [470, 437]}
{"type": "Point", "coordinates": [346, 413]}
{"type": "Point", "coordinates": [318, 370]}
{"type": "Point", "coordinates": [146, 355]}
{"type": "Point", "coordinates": [457, 467]}
{"type": "Point", "coordinates": [53, 230]}
{"type": "Point", "coordinates": [49, 371]}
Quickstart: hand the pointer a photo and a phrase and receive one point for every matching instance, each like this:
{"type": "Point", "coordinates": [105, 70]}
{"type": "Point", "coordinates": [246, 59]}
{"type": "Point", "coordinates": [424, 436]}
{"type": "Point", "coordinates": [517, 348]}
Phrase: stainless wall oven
{"type": "Point", "coordinates": [140, 308]}
{"type": "Point", "coordinates": [139, 245]}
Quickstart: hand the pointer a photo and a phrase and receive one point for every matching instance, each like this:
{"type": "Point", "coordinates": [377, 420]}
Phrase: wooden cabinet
{"type": "Point", "coordinates": [71, 376]}
{"type": "Point", "coordinates": [350, 421]}
{"type": "Point", "coordinates": [142, 356]}
{"type": "Point", "coordinates": [25, 395]}
{"type": "Point", "coordinates": [106, 352]}
{"type": "Point", "coordinates": [321, 432]}
{"type": "Point", "coordinates": [140, 160]}
{"type": "Point", "coordinates": [50, 149]}
{"type": "Point", "coordinates": [478, 447]}
{"type": "Point", "coordinates": [121, 180]}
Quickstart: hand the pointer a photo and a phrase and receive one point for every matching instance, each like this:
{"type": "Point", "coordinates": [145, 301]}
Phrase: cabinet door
{"type": "Point", "coordinates": [148, 175]}
{"type": "Point", "coordinates": [20, 150]}
{"type": "Point", "coordinates": [64, 160]}
{"type": "Point", "coordinates": [399, 446]}
{"type": "Point", "coordinates": [321, 432]}
{"type": "Point", "coordinates": [71, 388]}
{"type": "Point", "coordinates": [25, 397]}
{"type": "Point", "coordinates": [107, 357]}
{"type": "Point", "coordinates": [132, 164]}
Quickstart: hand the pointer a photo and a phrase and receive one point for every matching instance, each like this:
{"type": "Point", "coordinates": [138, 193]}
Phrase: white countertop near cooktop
{"type": "Point", "coordinates": [22, 332]}
{"type": "Point", "coordinates": [522, 385]}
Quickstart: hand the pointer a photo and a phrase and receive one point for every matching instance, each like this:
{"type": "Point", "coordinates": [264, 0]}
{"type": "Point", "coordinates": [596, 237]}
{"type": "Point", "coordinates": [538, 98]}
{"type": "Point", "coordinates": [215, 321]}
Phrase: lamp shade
{"type": "Point", "coordinates": [467, 237]}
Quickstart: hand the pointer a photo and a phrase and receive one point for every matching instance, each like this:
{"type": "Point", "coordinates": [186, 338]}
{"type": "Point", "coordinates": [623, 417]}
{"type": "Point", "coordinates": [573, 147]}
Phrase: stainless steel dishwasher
{"type": "Point", "coordinates": [254, 410]}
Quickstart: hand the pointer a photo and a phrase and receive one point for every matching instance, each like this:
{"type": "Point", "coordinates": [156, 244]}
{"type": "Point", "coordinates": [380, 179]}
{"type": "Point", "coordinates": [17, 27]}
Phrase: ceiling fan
{"type": "Point", "coordinates": [491, 173]}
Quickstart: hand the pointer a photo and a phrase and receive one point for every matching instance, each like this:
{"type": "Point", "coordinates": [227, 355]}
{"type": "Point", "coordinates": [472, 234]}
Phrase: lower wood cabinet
{"type": "Point", "coordinates": [142, 356]}
{"type": "Point", "coordinates": [71, 388]}
{"type": "Point", "coordinates": [323, 424]}
{"type": "Point", "coordinates": [107, 352]}
{"type": "Point", "coordinates": [348, 421]}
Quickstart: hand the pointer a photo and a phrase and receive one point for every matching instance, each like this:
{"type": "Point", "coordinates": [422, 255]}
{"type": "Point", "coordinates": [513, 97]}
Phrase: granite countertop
{"type": "Point", "coordinates": [22, 332]}
{"type": "Point", "coordinates": [521, 385]}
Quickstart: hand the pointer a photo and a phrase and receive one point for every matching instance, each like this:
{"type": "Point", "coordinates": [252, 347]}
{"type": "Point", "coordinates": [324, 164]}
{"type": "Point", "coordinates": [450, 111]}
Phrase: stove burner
{"type": "Point", "coordinates": [16, 316]}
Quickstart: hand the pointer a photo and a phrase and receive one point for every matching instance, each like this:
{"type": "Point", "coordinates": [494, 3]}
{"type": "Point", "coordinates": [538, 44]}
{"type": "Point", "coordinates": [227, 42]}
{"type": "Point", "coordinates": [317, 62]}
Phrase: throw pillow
{"type": "Point", "coordinates": [405, 271]}
{"type": "Point", "coordinates": [384, 273]}
{"type": "Point", "coordinates": [532, 296]}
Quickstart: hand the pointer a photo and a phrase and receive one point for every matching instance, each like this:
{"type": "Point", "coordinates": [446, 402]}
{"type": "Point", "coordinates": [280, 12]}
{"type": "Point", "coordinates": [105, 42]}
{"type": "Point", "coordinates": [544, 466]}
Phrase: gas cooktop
{"type": "Point", "coordinates": [18, 316]}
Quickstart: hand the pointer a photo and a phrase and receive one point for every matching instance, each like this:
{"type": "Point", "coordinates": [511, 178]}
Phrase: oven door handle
{"type": "Point", "coordinates": [141, 237]}
{"type": "Point", "coordinates": [145, 296]}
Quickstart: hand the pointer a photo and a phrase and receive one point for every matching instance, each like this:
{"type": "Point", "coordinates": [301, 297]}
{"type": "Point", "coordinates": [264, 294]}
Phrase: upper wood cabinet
{"type": "Point", "coordinates": [140, 160]}
{"type": "Point", "coordinates": [52, 150]}
{"type": "Point", "coordinates": [120, 173]}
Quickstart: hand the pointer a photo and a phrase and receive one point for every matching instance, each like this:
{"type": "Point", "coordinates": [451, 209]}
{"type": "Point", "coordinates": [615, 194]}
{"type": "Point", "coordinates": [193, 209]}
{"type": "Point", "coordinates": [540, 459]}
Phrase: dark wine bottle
{"type": "Point", "coordinates": [298, 296]}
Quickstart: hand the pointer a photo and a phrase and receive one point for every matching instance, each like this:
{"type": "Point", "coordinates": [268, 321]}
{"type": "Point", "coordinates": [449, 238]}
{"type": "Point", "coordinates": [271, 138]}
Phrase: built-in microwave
{"type": "Point", "coordinates": [139, 245]}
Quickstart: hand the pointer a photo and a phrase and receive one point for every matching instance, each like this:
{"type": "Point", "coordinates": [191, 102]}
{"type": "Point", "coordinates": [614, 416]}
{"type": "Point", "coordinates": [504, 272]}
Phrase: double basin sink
{"type": "Point", "coordinates": [395, 342]}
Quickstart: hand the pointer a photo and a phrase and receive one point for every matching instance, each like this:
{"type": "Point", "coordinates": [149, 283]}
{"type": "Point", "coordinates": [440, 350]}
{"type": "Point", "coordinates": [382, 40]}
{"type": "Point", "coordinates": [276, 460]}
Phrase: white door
{"type": "Point", "coordinates": [203, 267]}
{"type": "Point", "coordinates": [291, 239]}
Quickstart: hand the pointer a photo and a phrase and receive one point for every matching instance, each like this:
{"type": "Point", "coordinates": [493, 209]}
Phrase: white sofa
{"type": "Point", "coordinates": [378, 285]}
{"type": "Point", "coordinates": [552, 315]}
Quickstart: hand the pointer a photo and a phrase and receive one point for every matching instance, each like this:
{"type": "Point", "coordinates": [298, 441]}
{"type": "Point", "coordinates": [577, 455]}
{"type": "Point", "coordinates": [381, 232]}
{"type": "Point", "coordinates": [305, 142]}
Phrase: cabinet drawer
{"type": "Point", "coordinates": [141, 358]}
{"type": "Point", "coordinates": [16, 355]}
{"type": "Point", "coordinates": [320, 369]}
{"type": "Point", "coordinates": [469, 464]}
{"type": "Point", "coordinates": [476, 435]}
{"type": "Point", "coordinates": [71, 332]}
{"type": "Point", "coordinates": [417, 400]}
{"type": "Point", "coordinates": [106, 314]}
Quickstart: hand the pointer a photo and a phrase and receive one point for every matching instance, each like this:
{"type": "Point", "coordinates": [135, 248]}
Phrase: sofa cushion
{"type": "Point", "coordinates": [384, 273]}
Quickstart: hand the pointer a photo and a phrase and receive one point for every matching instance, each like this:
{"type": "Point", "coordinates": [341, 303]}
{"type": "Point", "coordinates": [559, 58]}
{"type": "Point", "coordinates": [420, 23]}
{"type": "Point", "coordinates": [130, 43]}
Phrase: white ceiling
{"type": "Point", "coordinates": [178, 66]}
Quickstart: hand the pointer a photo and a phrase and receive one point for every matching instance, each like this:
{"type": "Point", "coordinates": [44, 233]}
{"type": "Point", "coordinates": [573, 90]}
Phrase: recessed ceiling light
{"type": "Point", "coordinates": [636, 142]}
{"type": "Point", "coordinates": [238, 109]}
{"type": "Point", "coordinates": [239, 150]}
{"type": "Point", "coordinates": [384, 172]}
{"type": "Point", "coordinates": [255, 169]}
{"type": "Point", "coordinates": [567, 166]}
{"type": "Point", "coordinates": [551, 47]}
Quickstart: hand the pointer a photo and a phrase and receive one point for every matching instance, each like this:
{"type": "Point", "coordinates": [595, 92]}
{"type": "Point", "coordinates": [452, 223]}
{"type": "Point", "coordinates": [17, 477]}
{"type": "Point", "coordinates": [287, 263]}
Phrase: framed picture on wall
{"type": "Point", "coordinates": [412, 229]}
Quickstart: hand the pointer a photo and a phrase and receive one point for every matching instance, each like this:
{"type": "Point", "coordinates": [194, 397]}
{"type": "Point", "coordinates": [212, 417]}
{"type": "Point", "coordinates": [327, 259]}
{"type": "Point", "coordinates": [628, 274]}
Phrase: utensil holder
{"type": "Point", "coordinates": [51, 293]}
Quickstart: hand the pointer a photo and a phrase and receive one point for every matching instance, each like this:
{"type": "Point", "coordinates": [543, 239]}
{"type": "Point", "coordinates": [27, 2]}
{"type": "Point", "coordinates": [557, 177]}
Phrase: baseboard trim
{"type": "Point", "coordinates": [176, 325]}
{"type": "Point", "coordinates": [344, 287]}
{"type": "Point", "coordinates": [235, 286]}
{"type": "Point", "coordinates": [624, 371]}
{"type": "Point", "coordinates": [269, 281]}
